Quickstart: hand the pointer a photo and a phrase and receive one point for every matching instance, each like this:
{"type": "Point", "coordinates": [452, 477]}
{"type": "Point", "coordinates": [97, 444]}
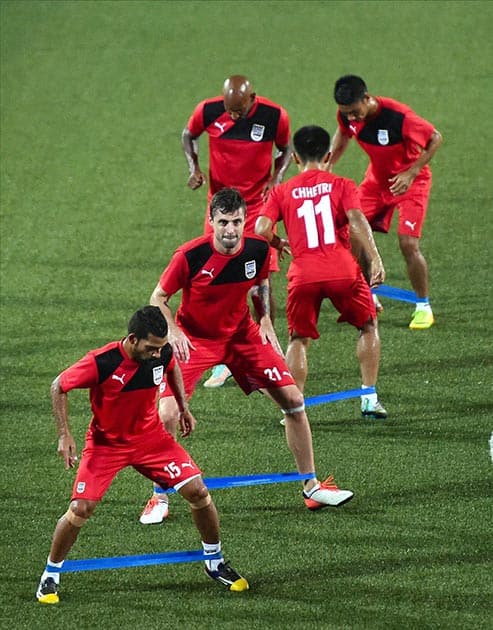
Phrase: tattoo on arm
{"type": "Point", "coordinates": [263, 296]}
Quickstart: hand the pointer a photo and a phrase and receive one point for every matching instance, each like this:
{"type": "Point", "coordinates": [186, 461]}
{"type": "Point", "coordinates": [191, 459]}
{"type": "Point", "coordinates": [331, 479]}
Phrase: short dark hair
{"type": "Point", "coordinates": [349, 89]}
{"type": "Point", "coordinates": [226, 201]}
{"type": "Point", "coordinates": [311, 143]}
{"type": "Point", "coordinates": [148, 321]}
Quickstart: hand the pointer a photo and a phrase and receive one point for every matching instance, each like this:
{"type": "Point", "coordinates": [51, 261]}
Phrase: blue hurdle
{"type": "Point", "coordinates": [120, 562]}
{"type": "Point", "coordinates": [394, 293]}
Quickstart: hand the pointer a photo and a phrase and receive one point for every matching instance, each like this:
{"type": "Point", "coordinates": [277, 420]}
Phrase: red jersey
{"type": "Point", "coordinates": [393, 139]}
{"type": "Point", "coordinates": [240, 151]}
{"type": "Point", "coordinates": [313, 207]}
{"type": "Point", "coordinates": [122, 392]}
{"type": "Point", "coordinates": [215, 286]}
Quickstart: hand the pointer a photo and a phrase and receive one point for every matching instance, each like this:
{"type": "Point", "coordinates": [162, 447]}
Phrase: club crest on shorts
{"type": "Point", "coordinates": [257, 132]}
{"type": "Point", "coordinates": [157, 374]}
{"type": "Point", "coordinates": [250, 269]}
{"type": "Point", "coordinates": [383, 137]}
{"type": "Point", "coordinates": [81, 486]}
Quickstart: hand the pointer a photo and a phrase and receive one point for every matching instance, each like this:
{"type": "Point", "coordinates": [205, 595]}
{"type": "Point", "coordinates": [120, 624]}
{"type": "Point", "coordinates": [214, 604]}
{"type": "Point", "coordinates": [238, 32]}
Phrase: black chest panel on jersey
{"type": "Point", "coordinates": [235, 270]}
{"type": "Point", "coordinates": [265, 116]}
{"type": "Point", "coordinates": [143, 378]}
{"type": "Point", "coordinates": [387, 119]}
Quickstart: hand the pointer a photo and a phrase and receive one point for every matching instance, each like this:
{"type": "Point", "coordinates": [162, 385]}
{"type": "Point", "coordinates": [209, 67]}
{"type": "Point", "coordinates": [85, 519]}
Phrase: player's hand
{"type": "Point", "coordinates": [267, 188]}
{"type": "Point", "coordinates": [400, 183]}
{"type": "Point", "coordinates": [283, 248]}
{"type": "Point", "coordinates": [67, 450]}
{"type": "Point", "coordinates": [196, 179]}
{"type": "Point", "coordinates": [187, 422]}
{"type": "Point", "coordinates": [181, 344]}
{"type": "Point", "coordinates": [377, 272]}
{"type": "Point", "coordinates": [268, 334]}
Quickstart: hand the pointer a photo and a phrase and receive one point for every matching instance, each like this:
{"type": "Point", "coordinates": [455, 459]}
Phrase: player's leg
{"type": "Point", "coordinates": [353, 300]}
{"type": "Point", "coordinates": [412, 213]}
{"type": "Point", "coordinates": [297, 359]}
{"type": "Point", "coordinates": [316, 494]}
{"type": "Point", "coordinates": [302, 312]}
{"type": "Point", "coordinates": [378, 210]}
{"type": "Point", "coordinates": [97, 469]}
{"type": "Point", "coordinates": [156, 509]}
{"type": "Point", "coordinates": [206, 520]}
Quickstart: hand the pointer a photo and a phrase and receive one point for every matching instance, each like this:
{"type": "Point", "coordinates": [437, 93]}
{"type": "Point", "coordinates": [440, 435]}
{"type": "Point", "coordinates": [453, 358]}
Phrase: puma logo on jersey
{"type": "Point", "coordinates": [220, 126]}
{"type": "Point", "coordinates": [119, 378]}
{"type": "Point", "coordinates": [353, 128]}
{"type": "Point", "coordinates": [206, 272]}
{"type": "Point", "coordinates": [409, 224]}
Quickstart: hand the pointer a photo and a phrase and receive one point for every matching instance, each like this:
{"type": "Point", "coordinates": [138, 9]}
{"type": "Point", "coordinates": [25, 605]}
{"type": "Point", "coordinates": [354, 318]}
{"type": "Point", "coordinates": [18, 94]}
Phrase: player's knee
{"type": "Point", "coordinates": [79, 511]}
{"type": "Point", "coordinates": [293, 403]}
{"type": "Point", "coordinates": [196, 494]}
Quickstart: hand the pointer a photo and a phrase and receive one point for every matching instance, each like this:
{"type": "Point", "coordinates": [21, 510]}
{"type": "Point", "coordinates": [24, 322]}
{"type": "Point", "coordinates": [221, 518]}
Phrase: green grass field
{"type": "Point", "coordinates": [94, 96]}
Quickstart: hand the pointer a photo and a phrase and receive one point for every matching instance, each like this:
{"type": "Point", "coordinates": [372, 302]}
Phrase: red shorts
{"type": "Point", "coordinates": [253, 364]}
{"type": "Point", "coordinates": [378, 205]}
{"type": "Point", "coordinates": [352, 298]}
{"type": "Point", "coordinates": [158, 457]}
{"type": "Point", "coordinates": [253, 211]}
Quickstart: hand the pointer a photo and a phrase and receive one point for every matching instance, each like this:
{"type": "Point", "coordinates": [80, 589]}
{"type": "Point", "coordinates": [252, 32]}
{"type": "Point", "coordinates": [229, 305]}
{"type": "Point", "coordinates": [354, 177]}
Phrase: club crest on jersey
{"type": "Point", "coordinates": [250, 269]}
{"type": "Point", "coordinates": [157, 374]}
{"type": "Point", "coordinates": [257, 132]}
{"type": "Point", "coordinates": [383, 137]}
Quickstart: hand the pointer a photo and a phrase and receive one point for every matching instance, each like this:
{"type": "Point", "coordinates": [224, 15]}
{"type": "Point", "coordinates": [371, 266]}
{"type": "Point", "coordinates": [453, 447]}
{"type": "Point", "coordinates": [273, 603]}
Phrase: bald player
{"type": "Point", "coordinates": [243, 129]}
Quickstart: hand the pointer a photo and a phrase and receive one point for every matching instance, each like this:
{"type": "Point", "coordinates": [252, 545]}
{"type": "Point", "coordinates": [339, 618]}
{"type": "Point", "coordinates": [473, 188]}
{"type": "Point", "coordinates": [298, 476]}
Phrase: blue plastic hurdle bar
{"type": "Point", "coordinates": [215, 483]}
{"type": "Point", "coordinates": [394, 293]}
{"type": "Point", "coordinates": [97, 564]}
{"type": "Point", "coordinates": [328, 398]}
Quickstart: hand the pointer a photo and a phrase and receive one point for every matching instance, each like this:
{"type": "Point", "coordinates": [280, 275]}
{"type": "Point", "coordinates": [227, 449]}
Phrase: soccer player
{"type": "Point", "coordinates": [322, 218]}
{"type": "Point", "coordinates": [399, 144]}
{"type": "Point", "coordinates": [214, 325]}
{"type": "Point", "coordinates": [243, 130]}
{"type": "Point", "coordinates": [123, 378]}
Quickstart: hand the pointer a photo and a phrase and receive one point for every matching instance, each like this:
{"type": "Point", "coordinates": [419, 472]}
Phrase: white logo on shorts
{"type": "Point", "coordinates": [411, 225]}
{"type": "Point", "coordinates": [81, 486]}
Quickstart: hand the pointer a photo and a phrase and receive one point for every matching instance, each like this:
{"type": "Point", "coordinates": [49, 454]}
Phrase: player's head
{"type": "Point", "coordinates": [147, 334]}
{"type": "Point", "coordinates": [351, 95]}
{"type": "Point", "coordinates": [227, 218]}
{"type": "Point", "coordinates": [311, 144]}
{"type": "Point", "coordinates": [238, 96]}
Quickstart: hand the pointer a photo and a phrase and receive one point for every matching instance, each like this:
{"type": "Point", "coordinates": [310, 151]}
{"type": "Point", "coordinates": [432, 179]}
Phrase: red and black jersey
{"type": "Point", "coordinates": [313, 206]}
{"type": "Point", "coordinates": [240, 151]}
{"type": "Point", "coordinates": [215, 286]}
{"type": "Point", "coordinates": [393, 138]}
{"type": "Point", "coordinates": [122, 391]}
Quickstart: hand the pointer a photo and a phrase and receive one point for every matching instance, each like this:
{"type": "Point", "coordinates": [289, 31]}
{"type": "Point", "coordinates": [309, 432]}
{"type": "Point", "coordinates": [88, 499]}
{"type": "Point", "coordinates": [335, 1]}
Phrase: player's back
{"type": "Point", "coordinates": [313, 207]}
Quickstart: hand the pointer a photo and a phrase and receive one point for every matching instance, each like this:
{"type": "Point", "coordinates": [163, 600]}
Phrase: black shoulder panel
{"type": "Point", "coordinates": [107, 363]}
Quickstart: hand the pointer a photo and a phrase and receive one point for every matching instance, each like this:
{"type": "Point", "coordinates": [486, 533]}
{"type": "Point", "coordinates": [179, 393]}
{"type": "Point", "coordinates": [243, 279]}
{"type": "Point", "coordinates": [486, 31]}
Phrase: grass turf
{"type": "Point", "coordinates": [94, 97]}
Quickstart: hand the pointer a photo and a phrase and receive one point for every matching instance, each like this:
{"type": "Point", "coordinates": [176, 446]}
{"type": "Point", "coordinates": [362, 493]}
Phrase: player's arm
{"type": "Point", "coordinates": [175, 382]}
{"type": "Point", "coordinates": [267, 332]}
{"type": "Point", "coordinates": [401, 182]}
{"type": "Point", "coordinates": [180, 343]}
{"type": "Point", "coordinates": [190, 145]}
{"type": "Point", "coordinates": [66, 444]}
{"type": "Point", "coordinates": [362, 236]}
{"type": "Point", "coordinates": [265, 227]}
{"type": "Point", "coordinates": [337, 147]}
{"type": "Point", "coordinates": [281, 163]}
